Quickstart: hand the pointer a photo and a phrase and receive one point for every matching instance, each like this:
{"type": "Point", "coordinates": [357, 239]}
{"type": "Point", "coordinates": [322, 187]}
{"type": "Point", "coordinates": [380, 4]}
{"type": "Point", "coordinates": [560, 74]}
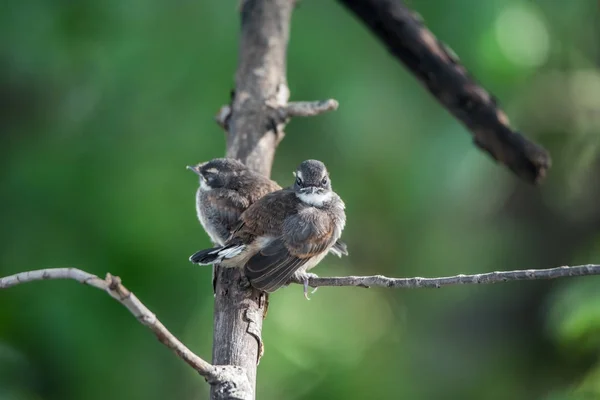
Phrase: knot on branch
{"type": "Point", "coordinates": [231, 383]}
{"type": "Point", "coordinates": [115, 288]}
{"type": "Point", "coordinates": [223, 116]}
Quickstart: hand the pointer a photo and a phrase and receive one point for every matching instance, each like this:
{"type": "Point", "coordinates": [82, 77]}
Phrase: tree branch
{"type": "Point", "coordinates": [226, 379]}
{"type": "Point", "coordinates": [260, 78]}
{"type": "Point", "coordinates": [307, 108]}
{"type": "Point", "coordinates": [255, 122]}
{"type": "Point", "coordinates": [439, 69]}
{"type": "Point", "coordinates": [254, 129]}
{"type": "Point", "coordinates": [486, 278]}
{"type": "Point", "coordinates": [284, 112]}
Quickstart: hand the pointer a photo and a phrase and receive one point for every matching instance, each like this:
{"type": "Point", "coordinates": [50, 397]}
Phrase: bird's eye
{"type": "Point", "coordinates": [298, 181]}
{"type": "Point", "coordinates": [324, 181]}
{"type": "Point", "coordinates": [213, 181]}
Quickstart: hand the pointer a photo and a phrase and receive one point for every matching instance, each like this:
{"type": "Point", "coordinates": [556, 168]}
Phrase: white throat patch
{"type": "Point", "coordinates": [314, 199]}
{"type": "Point", "coordinates": [204, 186]}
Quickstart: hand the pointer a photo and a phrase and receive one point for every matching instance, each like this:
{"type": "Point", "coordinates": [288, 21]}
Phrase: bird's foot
{"type": "Point", "coordinates": [305, 277]}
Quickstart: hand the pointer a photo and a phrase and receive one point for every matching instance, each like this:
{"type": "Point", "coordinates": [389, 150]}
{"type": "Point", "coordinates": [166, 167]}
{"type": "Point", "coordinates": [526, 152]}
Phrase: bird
{"type": "Point", "coordinates": [285, 233]}
{"type": "Point", "coordinates": [227, 188]}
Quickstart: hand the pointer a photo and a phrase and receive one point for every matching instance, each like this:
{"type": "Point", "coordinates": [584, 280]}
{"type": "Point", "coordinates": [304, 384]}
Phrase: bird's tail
{"type": "Point", "coordinates": [216, 255]}
{"type": "Point", "coordinates": [339, 249]}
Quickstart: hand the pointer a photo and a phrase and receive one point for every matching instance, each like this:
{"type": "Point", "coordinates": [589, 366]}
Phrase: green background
{"type": "Point", "coordinates": [103, 104]}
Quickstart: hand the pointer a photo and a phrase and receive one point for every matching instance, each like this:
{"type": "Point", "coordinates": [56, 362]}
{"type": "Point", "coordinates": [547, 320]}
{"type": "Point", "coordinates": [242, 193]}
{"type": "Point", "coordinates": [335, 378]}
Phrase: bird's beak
{"type": "Point", "coordinates": [194, 169]}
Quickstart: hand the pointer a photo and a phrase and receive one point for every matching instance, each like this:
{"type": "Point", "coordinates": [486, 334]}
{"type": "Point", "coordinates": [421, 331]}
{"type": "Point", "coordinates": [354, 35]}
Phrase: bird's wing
{"type": "Point", "coordinates": [266, 216]}
{"type": "Point", "coordinates": [301, 240]}
{"type": "Point", "coordinates": [228, 206]}
{"type": "Point", "coordinates": [261, 186]}
{"type": "Point", "coordinates": [272, 267]}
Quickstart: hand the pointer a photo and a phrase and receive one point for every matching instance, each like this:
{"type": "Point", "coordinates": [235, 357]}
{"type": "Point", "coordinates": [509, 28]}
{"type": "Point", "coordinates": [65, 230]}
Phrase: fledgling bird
{"type": "Point", "coordinates": [285, 233]}
{"type": "Point", "coordinates": [227, 188]}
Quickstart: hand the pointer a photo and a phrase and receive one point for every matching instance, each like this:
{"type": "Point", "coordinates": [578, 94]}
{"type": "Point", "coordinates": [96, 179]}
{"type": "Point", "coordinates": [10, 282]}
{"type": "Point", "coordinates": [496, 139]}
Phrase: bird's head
{"type": "Point", "coordinates": [312, 185]}
{"type": "Point", "coordinates": [218, 173]}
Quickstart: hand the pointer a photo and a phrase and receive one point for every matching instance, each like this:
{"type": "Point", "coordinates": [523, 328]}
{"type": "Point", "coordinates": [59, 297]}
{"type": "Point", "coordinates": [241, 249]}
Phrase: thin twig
{"type": "Point", "coordinates": [309, 108]}
{"type": "Point", "coordinates": [486, 278]}
{"type": "Point", "coordinates": [229, 378]}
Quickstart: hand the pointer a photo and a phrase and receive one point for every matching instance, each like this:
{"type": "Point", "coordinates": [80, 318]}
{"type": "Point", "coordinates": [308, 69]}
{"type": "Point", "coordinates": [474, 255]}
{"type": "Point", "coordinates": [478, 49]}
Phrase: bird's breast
{"type": "Point", "coordinates": [205, 213]}
{"type": "Point", "coordinates": [310, 264]}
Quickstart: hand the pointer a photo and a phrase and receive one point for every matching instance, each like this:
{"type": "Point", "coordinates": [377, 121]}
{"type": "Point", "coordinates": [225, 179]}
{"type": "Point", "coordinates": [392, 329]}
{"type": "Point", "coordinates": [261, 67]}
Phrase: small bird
{"type": "Point", "coordinates": [227, 189]}
{"type": "Point", "coordinates": [285, 233]}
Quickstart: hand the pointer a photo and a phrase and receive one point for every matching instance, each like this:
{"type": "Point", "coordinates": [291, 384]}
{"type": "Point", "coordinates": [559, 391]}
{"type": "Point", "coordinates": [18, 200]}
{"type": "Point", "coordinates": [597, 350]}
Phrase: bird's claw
{"type": "Point", "coordinates": [305, 277]}
{"type": "Point", "coordinates": [306, 288]}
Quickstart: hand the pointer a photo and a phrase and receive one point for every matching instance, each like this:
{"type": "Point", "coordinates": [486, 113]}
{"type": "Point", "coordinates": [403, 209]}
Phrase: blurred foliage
{"type": "Point", "coordinates": [105, 103]}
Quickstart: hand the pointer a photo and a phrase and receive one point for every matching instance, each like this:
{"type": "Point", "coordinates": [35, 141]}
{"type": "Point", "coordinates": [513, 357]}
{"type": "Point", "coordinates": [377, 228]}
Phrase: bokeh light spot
{"type": "Point", "coordinates": [522, 35]}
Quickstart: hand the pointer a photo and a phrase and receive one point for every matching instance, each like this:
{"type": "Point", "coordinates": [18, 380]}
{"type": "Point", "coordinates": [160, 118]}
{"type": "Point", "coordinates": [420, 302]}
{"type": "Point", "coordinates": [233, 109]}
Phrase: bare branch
{"type": "Point", "coordinates": [487, 278]}
{"type": "Point", "coordinates": [309, 108]}
{"type": "Point", "coordinates": [440, 71]}
{"type": "Point", "coordinates": [226, 379]}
